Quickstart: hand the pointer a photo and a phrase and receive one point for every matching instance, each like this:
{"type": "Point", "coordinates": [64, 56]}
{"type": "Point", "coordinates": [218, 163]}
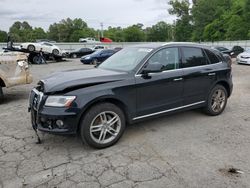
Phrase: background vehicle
{"type": "Point", "coordinates": [105, 40]}
{"type": "Point", "coordinates": [80, 52]}
{"type": "Point", "coordinates": [237, 50]}
{"type": "Point", "coordinates": [134, 84]}
{"type": "Point", "coordinates": [244, 58]}
{"type": "Point", "coordinates": [45, 40]}
{"type": "Point", "coordinates": [232, 53]}
{"type": "Point", "coordinates": [98, 47]}
{"type": "Point", "coordinates": [45, 46]}
{"type": "Point", "coordinates": [89, 40]}
{"type": "Point", "coordinates": [97, 57]}
{"type": "Point", "coordinates": [14, 70]}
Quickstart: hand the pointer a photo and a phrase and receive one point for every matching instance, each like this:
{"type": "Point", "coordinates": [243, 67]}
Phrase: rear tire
{"type": "Point", "coordinates": [217, 101]}
{"type": "Point", "coordinates": [55, 52]}
{"type": "Point", "coordinates": [102, 125]}
{"type": "Point", "coordinates": [31, 48]}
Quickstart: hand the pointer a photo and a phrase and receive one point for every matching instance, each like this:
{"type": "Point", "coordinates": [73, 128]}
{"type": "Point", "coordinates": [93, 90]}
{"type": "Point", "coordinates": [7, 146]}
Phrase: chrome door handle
{"type": "Point", "coordinates": [212, 74]}
{"type": "Point", "coordinates": [178, 79]}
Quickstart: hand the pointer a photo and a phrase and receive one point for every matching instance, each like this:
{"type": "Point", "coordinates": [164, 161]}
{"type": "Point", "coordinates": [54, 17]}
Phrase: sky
{"type": "Point", "coordinates": [42, 13]}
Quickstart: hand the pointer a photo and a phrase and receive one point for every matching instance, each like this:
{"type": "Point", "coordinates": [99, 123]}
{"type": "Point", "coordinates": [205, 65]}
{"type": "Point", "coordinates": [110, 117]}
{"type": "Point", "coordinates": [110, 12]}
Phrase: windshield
{"type": "Point", "coordinates": [126, 59]}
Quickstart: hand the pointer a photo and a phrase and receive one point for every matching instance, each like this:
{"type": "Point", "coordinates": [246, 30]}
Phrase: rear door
{"type": "Point", "coordinates": [198, 75]}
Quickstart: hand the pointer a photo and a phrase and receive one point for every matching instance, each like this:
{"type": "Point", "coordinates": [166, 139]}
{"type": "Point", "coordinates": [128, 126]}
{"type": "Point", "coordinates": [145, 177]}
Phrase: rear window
{"type": "Point", "coordinates": [193, 57]}
{"type": "Point", "coordinates": [212, 57]}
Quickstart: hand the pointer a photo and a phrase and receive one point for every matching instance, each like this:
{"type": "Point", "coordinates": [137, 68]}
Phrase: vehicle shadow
{"type": "Point", "coordinates": [132, 132]}
{"type": "Point", "coordinates": [14, 96]}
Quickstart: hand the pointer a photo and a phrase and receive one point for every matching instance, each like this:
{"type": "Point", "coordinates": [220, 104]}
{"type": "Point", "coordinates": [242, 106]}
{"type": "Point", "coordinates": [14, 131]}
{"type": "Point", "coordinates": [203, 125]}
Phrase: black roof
{"type": "Point", "coordinates": [157, 45]}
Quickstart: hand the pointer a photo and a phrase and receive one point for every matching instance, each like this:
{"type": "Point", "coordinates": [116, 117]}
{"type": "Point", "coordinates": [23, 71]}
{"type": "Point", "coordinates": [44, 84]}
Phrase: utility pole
{"type": "Point", "coordinates": [101, 29]}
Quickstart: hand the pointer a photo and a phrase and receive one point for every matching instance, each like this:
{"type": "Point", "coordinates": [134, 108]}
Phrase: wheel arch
{"type": "Point", "coordinates": [103, 99]}
{"type": "Point", "coordinates": [226, 85]}
{"type": "Point", "coordinates": [2, 83]}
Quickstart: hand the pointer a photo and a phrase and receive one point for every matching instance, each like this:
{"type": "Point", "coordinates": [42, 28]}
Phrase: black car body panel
{"type": "Point", "coordinates": [139, 96]}
{"type": "Point", "coordinates": [62, 81]}
{"type": "Point", "coordinates": [80, 52]}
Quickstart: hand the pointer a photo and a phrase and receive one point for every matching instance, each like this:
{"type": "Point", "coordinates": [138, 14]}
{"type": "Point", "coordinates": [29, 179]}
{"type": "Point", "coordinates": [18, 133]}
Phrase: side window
{"type": "Point", "coordinates": [168, 57]}
{"type": "Point", "coordinates": [212, 57]}
{"type": "Point", "coordinates": [193, 57]}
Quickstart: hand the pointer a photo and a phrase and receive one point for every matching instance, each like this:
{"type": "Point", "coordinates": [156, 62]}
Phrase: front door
{"type": "Point", "coordinates": [161, 91]}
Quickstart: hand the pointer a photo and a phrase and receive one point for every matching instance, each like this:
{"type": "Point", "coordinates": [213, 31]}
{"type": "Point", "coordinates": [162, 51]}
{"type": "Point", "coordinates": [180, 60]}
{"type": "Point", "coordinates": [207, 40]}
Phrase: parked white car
{"type": "Point", "coordinates": [97, 47]}
{"type": "Point", "coordinates": [244, 58]}
{"type": "Point", "coordinates": [88, 40]}
{"type": "Point", "coordinates": [44, 46]}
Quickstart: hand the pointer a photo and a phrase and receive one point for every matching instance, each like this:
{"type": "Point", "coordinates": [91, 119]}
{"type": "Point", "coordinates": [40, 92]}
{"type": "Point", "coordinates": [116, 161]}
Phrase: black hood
{"type": "Point", "coordinates": [70, 80]}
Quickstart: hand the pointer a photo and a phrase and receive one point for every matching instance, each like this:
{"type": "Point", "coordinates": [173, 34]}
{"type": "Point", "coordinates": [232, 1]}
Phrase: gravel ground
{"type": "Point", "coordinates": [187, 149]}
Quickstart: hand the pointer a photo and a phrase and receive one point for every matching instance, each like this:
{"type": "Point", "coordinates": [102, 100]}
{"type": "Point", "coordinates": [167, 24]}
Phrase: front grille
{"type": "Point", "coordinates": [37, 99]}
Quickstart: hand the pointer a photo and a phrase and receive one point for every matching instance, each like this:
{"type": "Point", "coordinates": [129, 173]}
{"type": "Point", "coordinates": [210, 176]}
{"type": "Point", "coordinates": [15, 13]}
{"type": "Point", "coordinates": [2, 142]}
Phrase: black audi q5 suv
{"type": "Point", "coordinates": [136, 83]}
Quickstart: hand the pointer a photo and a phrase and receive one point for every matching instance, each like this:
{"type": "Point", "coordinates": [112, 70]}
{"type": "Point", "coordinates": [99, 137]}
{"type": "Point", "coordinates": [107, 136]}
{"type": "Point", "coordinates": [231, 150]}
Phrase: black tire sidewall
{"type": "Point", "coordinates": [208, 108]}
{"type": "Point", "coordinates": [91, 114]}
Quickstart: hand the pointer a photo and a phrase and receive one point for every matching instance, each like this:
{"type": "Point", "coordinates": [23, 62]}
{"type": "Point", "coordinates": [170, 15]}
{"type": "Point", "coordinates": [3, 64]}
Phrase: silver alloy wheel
{"type": "Point", "coordinates": [74, 56]}
{"type": "Point", "coordinates": [218, 100]}
{"type": "Point", "coordinates": [105, 127]}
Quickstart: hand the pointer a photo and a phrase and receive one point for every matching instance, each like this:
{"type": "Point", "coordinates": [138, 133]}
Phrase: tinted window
{"type": "Point", "coordinates": [47, 44]}
{"type": "Point", "coordinates": [212, 57]}
{"type": "Point", "coordinates": [168, 57]}
{"type": "Point", "coordinates": [193, 57]}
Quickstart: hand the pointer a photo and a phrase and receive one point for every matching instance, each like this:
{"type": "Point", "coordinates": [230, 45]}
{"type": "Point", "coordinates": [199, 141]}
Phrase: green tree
{"type": "Point", "coordinates": [183, 26]}
{"type": "Point", "coordinates": [134, 33]}
{"type": "Point", "coordinates": [205, 12]}
{"type": "Point", "coordinates": [115, 33]}
{"type": "Point", "coordinates": [3, 36]}
{"type": "Point", "coordinates": [160, 32]}
{"type": "Point", "coordinates": [68, 30]}
{"type": "Point", "coordinates": [38, 33]}
{"type": "Point", "coordinates": [21, 31]}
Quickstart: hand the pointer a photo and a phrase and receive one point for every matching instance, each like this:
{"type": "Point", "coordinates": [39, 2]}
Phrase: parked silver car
{"type": "Point", "coordinates": [244, 58]}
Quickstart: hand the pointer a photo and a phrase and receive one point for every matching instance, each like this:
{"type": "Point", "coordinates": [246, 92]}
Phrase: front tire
{"type": "Point", "coordinates": [217, 101]}
{"type": "Point", "coordinates": [94, 62]}
{"type": "Point", "coordinates": [103, 125]}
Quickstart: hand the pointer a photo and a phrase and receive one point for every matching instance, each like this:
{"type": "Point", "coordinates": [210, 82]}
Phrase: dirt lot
{"type": "Point", "coordinates": [183, 150]}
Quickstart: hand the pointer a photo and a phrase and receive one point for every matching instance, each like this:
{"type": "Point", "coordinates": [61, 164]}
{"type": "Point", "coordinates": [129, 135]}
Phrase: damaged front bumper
{"type": "Point", "coordinates": [51, 119]}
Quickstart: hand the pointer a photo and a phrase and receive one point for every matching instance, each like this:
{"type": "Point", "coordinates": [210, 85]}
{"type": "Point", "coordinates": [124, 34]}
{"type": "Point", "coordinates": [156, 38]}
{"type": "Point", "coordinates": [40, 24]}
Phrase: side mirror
{"type": "Point", "coordinates": [152, 68]}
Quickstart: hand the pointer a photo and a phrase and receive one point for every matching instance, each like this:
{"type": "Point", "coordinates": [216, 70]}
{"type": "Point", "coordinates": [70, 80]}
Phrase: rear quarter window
{"type": "Point", "coordinates": [213, 58]}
